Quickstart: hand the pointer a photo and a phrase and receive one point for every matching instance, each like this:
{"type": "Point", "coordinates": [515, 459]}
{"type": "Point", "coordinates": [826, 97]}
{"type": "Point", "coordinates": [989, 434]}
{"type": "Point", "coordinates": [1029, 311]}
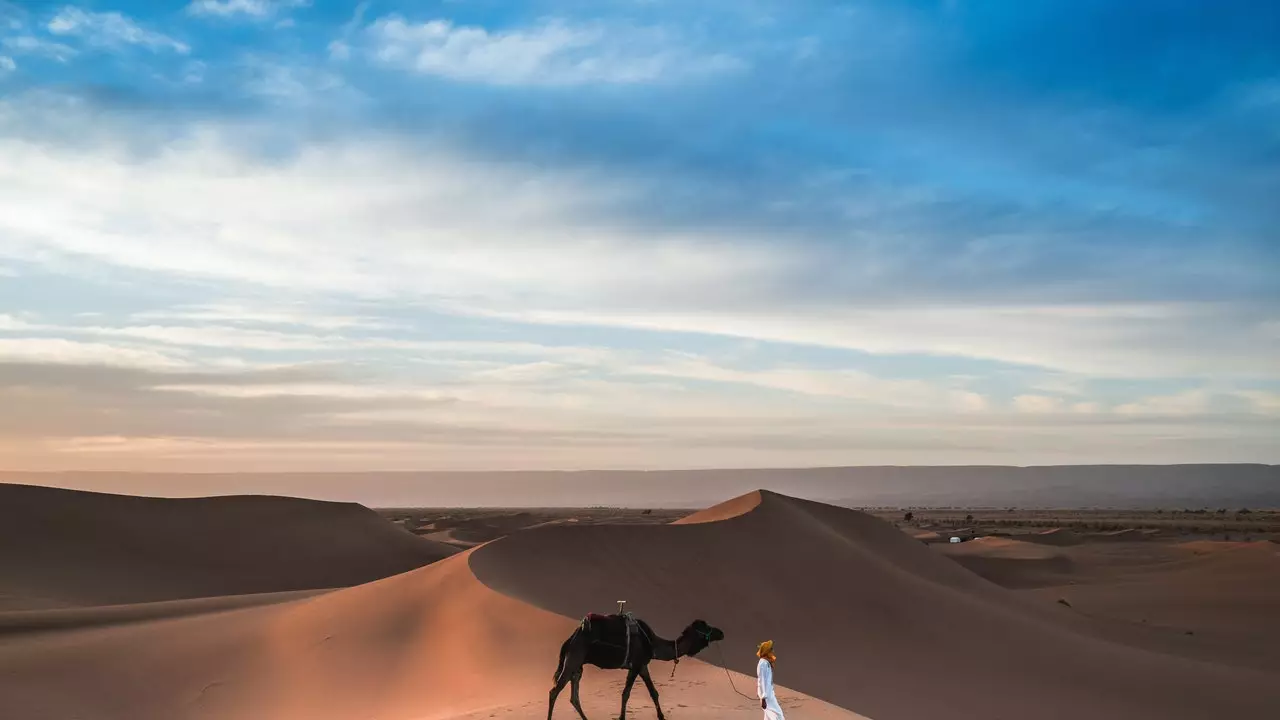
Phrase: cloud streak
{"type": "Point", "coordinates": [554, 53]}
{"type": "Point", "coordinates": [257, 10]}
{"type": "Point", "coordinates": [39, 47]}
{"type": "Point", "coordinates": [111, 30]}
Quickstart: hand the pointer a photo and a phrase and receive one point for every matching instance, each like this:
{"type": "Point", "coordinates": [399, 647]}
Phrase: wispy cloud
{"type": "Point", "coordinates": [63, 351]}
{"type": "Point", "coordinates": [1038, 404]}
{"type": "Point", "coordinates": [111, 30]}
{"type": "Point", "coordinates": [246, 314]}
{"type": "Point", "coordinates": [553, 53]}
{"type": "Point", "coordinates": [7, 64]}
{"type": "Point", "coordinates": [31, 45]}
{"type": "Point", "coordinates": [835, 384]}
{"type": "Point", "coordinates": [340, 47]}
{"type": "Point", "coordinates": [252, 9]}
{"type": "Point", "coordinates": [295, 84]}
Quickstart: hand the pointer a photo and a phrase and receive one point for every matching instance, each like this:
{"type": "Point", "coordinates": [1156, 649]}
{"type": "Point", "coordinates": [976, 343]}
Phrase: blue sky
{"type": "Point", "coordinates": [256, 234]}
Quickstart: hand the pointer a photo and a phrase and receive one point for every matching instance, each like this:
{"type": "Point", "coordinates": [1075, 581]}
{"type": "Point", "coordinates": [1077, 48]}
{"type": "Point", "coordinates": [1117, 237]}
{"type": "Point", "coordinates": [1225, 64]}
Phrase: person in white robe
{"type": "Point", "coordinates": [764, 682]}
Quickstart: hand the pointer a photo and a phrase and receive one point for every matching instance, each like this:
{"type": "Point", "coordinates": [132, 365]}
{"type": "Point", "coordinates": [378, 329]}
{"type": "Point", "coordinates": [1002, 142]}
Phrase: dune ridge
{"type": "Point", "coordinates": [429, 643]}
{"type": "Point", "coordinates": [68, 548]}
{"type": "Point", "coordinates": [1011, 563]}
{"type": "Point", "coordinates": [1061, 537]}
{"type": "Point", "coordinates": [852, 603]}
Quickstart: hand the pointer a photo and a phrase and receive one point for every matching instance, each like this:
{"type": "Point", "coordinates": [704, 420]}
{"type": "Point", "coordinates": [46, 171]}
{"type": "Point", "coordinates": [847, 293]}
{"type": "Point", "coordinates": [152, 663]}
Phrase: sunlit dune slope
{"type": "Point", "coordinates": [430, 643]}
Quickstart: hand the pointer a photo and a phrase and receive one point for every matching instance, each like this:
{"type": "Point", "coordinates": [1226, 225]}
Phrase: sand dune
{"type": "Point", "coordinates": [65, 548]}
{"type": "Point", "coordinates": [1125, 535]}
{"type": "Point", "coordinates": [1217, 601]}
{"type": "Point", "coordinates": [853, 603]}
{"type": "Point", "coordinates": [729, 509]}
{"type": "Point", "coordinates": [431, 643]}
{"type": "Point", "coordinates": [1060, 537]}
{"type": "Point", "coordinates": [428, 643]}
{"type": "Point", "coordinates": [1012, 563]}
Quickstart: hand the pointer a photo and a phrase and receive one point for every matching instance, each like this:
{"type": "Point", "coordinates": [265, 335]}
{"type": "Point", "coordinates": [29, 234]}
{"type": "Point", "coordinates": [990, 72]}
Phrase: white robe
{"type": "Point", "coordinates": [764, 691]}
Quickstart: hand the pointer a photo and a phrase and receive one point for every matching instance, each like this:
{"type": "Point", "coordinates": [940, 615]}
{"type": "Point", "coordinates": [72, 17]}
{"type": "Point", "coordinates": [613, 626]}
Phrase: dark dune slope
{"type": "Point", "coordinates": [861, 613]}
{"type": "Point", "coordinates": [67, 548]}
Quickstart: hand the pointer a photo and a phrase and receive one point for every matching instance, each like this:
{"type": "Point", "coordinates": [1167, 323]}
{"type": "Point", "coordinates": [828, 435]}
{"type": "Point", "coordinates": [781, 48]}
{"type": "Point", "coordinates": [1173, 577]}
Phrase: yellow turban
{"type": "Point", "coordinates": [765, 650]}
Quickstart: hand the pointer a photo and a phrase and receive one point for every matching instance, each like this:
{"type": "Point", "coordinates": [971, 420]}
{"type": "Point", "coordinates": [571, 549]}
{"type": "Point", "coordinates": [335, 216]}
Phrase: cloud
{"type": "Point", "coordinates": [74, 400]}
{"type": "Point", "coordinates": [340, 47]}
{"type": "Point", "coordinates": [324, 418]}
{"type": "Point", "coordinates": [31, 45]}
{"type": "Point", "coordinates": [1117, 341]}
{"type": "Point", "coordinates": [555, 53]}
{"type": "Point", "coordinates": [558, 249]}
{"type": "Point", "coordinates": [251, 9]}
{"type": "Point", "coordinates": [7, 65]}
{"type": "Point", "coordinates": [61, 351]}
{"type": "Point", "coordinates": [111, 30]}
{"type": "Point", "coordinates": [247, 314]}
{"type": "Point", "coordinates": [1204, 401]}
{"type": "Point", "coordinates": [10, 322]}
{"type": "Point", "coordinates": [296, 83]}
{"type": "Point", "coordinates": [1263, 401]}
{"type": "Point", "coordinates": [835, 384]}
{"type": "Point", "coordinates": [1037, 404]}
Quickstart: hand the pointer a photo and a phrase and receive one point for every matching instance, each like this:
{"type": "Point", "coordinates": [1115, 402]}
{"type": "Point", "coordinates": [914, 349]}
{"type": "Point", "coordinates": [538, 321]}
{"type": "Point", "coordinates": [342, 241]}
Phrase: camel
{"type": "Point", "coordinates": [614, 642]}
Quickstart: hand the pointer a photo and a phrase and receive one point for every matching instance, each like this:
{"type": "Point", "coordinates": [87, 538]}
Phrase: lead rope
{"type": "Point", "coordinates": [723, 666]}
{"type": "Point", "coordinates": [730, 677]}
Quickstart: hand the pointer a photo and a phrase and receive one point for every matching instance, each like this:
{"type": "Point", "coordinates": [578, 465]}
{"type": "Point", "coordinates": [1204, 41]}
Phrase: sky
{"type": "Point", "coordinates": [281, 235]}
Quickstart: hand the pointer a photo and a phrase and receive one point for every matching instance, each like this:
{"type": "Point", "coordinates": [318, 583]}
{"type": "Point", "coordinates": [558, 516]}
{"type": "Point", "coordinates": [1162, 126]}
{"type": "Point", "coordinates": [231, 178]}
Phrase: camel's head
{"type": "Point", "coordinates": [699, 635]}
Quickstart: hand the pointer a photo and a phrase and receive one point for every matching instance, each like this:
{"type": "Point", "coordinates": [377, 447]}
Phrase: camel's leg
{"type": "Point", "coordinates": [653, 691]}
{"type": "Point", "coordinates": [555, 691]}
{"type": "Point", "coordinates": [626, 693]}
{"type": "Point", "coordinates": [573, 694]}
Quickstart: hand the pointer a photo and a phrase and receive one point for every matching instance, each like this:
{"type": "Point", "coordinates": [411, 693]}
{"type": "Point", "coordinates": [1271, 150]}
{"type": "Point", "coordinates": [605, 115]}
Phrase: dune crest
{"type": "Point", "coordinates": [846, 595]}
{"type": "Point", "coordinates": [1061, 537]}
{"type": "Point", "coordinates": [429, 644]}
{"type": "Point", "coordinates": [68, 548]}
{"type": "Point", "coordinates": [729, 509]}
{"type": "Point", "coordinates": [853, 603]}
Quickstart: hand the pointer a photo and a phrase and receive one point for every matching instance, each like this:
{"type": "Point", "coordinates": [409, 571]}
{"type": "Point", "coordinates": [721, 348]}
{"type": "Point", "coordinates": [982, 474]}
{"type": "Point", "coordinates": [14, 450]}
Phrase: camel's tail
{"type": "Point", "coordinates": [564, 654]}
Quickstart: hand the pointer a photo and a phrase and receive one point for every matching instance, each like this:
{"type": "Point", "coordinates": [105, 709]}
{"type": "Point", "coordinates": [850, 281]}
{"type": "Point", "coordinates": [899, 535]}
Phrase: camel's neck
{"type": "Point", "coordinates": [664, 649]}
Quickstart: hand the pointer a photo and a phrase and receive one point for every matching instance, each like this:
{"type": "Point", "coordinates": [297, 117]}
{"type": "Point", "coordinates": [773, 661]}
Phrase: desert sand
{"type": "Point", "coordinates": [868, 622]}
{"type": "Point", "coordinates": [66, 548]}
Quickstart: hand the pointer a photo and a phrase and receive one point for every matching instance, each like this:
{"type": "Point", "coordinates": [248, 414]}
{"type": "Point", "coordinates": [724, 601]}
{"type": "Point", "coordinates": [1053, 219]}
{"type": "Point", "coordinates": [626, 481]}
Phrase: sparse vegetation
{"type": "Point", "coordinates": [1188, 522]}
